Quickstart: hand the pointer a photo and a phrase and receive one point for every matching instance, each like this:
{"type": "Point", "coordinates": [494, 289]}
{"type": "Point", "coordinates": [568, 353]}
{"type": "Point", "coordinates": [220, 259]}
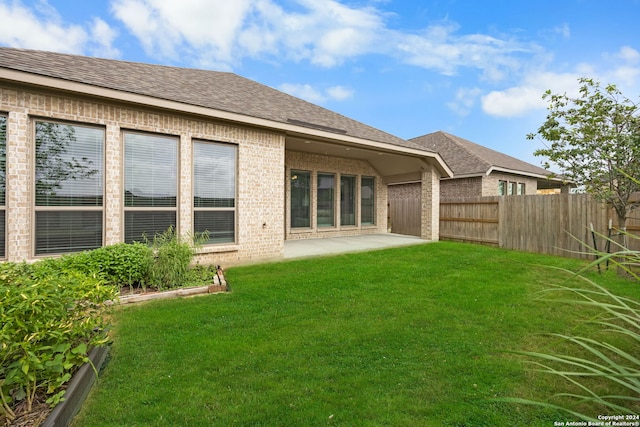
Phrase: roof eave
{"type": "Point", "coordinates": [523, 173]}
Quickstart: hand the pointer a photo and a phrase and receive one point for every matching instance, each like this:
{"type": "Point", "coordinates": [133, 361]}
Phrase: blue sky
{"type": "Point", "coordinates": [473, 68]}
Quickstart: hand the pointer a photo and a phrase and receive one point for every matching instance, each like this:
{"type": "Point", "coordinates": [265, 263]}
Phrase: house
{"type": "Point", "coordinates": [477, 171]}
{"type": "Point", "coordinates": [480, 171]}
{"type": "Point", "coordinates": [98, 151]}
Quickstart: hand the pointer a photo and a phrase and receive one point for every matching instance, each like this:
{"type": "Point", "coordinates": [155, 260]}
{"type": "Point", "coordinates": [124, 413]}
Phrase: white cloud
{"type": "Point", "coordinates": [339, 93]}
{"type": "Point", "coordinates": [303, 91]}
{"type": "Point", "coordinates": [41, 27]}
{"type": "Point", "coordinates": [520, 100]}
{"type": "Point", "coordinates": [621, 68]}
{"type": "Point", "coordinates": [22, 27]}
{"type": "Point", "coordinates": [629, 54]}
{"type": "Point", "coordinates": [326, 33]}
{"type": "Point", "coordinates": [170, 29]}
{"type": "Point", "coordinates": [317, 96]}
{"type": "Point", "coordinates": [464, 101]}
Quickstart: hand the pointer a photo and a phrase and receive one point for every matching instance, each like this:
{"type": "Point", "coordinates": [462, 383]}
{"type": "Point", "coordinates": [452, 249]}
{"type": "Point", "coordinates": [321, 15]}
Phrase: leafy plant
{"type": "Point", "coordinates": [50, 317]}
{"type": "Point", "coordinates": [173, 255]}
{"type": "Point", "coordinates": [120, 264]}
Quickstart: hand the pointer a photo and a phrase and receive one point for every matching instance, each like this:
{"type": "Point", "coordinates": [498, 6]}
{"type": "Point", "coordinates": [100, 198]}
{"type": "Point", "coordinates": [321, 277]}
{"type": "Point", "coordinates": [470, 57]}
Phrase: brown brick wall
{"type": "Point", "coordinates": [461, 187]}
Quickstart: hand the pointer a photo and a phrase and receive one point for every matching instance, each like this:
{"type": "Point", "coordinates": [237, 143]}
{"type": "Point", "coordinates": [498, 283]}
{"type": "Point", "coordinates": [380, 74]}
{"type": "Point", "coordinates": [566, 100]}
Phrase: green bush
{"type": "Point", "coordinates": [173, 256]}
{"type": "Point", "coordinates": [120, 264]}
{"type": "Point", "coordinates": [51, 315]}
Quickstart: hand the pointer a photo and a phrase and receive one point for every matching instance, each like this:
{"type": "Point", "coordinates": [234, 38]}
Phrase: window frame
{"type": "Point", "coordinates": [502, 187]}
{"type": "Point", "coordinates": [158, 209]}
{"type": "Point", "coordinates": [69, 208]}
{"type": "Point", "coordinates": [521, 189]}
{"type": "Point", "coordinates": [309, 195]}
{"type": "Point", "coordinates": [373, 202]}
{"type": "Point", "coordinates": [233, 209]}
{"type": "Point", "coordinates": [354, 200]}
{"type": "Point", "coordinates": [3, 202]}
{"type": "Point", "coordinates": [333, 204]}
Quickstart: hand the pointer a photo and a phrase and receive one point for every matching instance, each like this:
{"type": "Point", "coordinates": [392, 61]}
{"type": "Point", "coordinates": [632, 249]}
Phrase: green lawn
{"type": "Point", "coordinates": [402, 337]}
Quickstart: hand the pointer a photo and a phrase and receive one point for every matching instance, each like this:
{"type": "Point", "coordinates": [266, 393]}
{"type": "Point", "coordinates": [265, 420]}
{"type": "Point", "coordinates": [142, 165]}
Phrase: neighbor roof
{"type": "Point", "coordinates": [466, 158]}
{"type": "Point", "coordinates": [220, 91]}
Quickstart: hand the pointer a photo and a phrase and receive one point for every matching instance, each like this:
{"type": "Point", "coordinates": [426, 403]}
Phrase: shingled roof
{"type": "Point", "coordinates": [221, 91]}
{"type": "Point", "coordinates": [466, 158]}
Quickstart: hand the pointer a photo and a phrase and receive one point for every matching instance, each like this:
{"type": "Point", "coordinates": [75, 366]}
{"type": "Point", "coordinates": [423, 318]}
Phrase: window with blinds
{"type": "Point", "coordinates": [68, 187]}
{"type": "Point", "coordinates": [3, 184]}
{"type": "Point", "coordinates": [214, 191]}
{"type": "Point", "coordinates": [150, 185]}
{"type": "Point", "coordinates": [367, 200]}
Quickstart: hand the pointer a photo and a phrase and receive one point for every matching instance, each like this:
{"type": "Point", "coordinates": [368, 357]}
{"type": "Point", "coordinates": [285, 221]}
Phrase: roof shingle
{"type": "Point", "coordinates": [468, 158]}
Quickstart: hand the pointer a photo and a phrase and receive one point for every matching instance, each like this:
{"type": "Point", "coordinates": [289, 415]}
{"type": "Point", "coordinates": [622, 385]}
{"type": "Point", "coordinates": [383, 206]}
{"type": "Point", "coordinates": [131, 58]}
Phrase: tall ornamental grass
{"type": "Point", "coordinates": [601, 372]}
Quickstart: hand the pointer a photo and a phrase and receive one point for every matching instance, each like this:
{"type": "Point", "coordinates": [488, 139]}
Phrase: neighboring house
{"type": "Point", "coordinates": [480, 171]}
{"type": "Point", "coordinates": [97, 151]}
{"type": "Point", "coordinates": [477, 171]}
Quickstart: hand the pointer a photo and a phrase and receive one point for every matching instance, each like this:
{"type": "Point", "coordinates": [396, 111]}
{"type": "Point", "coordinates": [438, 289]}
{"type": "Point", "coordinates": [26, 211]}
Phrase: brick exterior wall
{"type": "Point", "coordinates": [412, 190]}
{"type": "Point", "coordinates": [260, 184]}
{"type": "Point", "coordinates": [315, 163]}
{"type": "Point", "coordinates": [461, 187]}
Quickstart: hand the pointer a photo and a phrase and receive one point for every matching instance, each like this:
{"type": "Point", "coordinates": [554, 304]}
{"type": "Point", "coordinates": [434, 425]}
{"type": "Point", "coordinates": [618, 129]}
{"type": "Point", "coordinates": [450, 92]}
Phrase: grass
{"type": "Point", "coordinates": [410, 336]}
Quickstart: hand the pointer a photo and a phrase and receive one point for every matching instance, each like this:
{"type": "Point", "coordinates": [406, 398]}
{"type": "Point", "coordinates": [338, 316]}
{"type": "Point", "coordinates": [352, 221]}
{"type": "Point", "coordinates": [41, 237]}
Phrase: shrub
{"type": "Point", "coordinates": [173, 256]}
{"type": "Point", "coordinates": [120, 264]}
{"type": "Point", "coordinates": [50, 316]}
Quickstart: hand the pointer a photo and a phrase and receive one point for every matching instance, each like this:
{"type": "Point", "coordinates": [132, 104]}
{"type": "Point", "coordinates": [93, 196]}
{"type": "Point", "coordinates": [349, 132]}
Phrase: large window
{"type": "Point", "coordinates": [68, 187]}
{"type": "Point", "coordinates": [150, 185]}
{"type": "Point", "coordinates": [347, 200]}
{"type": "Point", "coordinates": [214, 191]}
{"type": "Point", "coordinates": [367, 201]}
{"type": "Point", "coordinates": [3, 183]}
{"type": "Point", "coordinates": [300, 199]}
{"type": "Point", "coordinates": [326, 200]}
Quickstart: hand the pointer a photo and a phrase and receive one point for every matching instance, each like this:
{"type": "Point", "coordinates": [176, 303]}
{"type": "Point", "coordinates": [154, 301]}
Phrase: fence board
{"type": "Point", "coordinates": [470, 220]}
{"type": "Point", "coordinates": [552, 224]}
{"type": "Point", "coordinates": [405, 216]}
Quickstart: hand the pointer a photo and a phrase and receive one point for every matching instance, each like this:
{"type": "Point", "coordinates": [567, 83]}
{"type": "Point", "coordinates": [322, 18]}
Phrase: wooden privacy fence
{"type": "Point", "coordinates": [552, 224]}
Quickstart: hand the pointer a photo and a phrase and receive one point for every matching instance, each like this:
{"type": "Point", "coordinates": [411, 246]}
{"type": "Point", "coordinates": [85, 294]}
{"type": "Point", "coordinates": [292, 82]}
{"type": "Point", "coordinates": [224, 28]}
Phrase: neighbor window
{"type": "Point", "coordinates": [68, 184]}
{"type": "Point", "coordinates": [3, 183]}
{"type": "Point", "coordinates": [502, 188]}
{"type": "Point", "coordinates": [367, 201]}
{"type": "Point", "coordinates": [300, 199]}
{"type": "Point", "coordinates": [521, 189]}
{"type": "Point", "coordinates": [326, 200]}
{"type": "Point", "coordinates": [347, 200]}
{"type": "Point", "coordinates": [512, 188]}
{"type": "Point", "coordinates": [150, 185]}
{"type": "Point", "coordinates": [214, 191]}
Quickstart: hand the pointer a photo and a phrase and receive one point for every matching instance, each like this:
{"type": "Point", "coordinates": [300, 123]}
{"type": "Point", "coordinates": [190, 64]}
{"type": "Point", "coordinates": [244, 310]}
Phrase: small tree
{"type": "Point", "coordinates": [595, 140]}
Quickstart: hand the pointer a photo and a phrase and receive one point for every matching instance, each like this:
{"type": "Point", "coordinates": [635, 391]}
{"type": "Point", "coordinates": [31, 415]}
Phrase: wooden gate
{"type": "Point", "coordinates": [405, 209]}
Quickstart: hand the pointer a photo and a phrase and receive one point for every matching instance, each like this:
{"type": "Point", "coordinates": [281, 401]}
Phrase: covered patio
{"type": "Point", "coordinates": [308, 248]}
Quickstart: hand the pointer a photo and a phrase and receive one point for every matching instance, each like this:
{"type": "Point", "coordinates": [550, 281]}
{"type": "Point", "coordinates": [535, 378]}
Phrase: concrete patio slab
{"type": "Point", "coordinates": [335, 245]}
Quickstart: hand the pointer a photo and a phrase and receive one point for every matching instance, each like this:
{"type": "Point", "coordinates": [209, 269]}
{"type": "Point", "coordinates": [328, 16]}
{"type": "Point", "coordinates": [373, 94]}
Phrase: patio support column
{"type": "Point", "coordinates": [430, 224]}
